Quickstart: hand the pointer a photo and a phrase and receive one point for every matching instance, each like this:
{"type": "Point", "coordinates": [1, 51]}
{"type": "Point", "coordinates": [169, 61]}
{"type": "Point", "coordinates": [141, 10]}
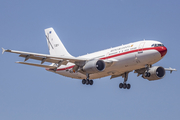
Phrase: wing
{"type": "Point", "coordinates": [61, 60]}
{"type": "Point", "coordinates": [142, 70]}
{"type": "Point", "coordinates": [170, 69]}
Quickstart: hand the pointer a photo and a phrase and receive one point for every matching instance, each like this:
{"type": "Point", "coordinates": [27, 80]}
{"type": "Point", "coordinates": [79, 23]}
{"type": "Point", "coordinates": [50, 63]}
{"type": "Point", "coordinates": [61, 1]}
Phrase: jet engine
{"type": "Point", "coordinates": [154, 73]}
{"type": "Point", "coordinates": [94, 66]}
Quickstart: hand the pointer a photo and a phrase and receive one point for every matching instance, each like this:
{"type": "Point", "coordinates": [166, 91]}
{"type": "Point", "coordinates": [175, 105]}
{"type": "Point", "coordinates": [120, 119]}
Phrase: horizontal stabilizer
{"type": "Point", "coordinates": [37, 65]}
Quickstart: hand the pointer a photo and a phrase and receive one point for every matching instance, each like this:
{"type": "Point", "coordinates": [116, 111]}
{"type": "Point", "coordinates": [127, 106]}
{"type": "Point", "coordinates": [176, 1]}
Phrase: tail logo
{"type": "Point", "coordinates": [47, 37]}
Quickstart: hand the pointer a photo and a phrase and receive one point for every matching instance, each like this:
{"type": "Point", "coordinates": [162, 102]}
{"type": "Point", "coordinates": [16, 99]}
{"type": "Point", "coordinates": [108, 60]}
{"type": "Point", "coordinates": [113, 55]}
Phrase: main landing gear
{"type": "Point", "coordinates": [147, 73]}
{"type": "Point", "coordinates": [87, 81]}
{"type": "Point", "coordinates": [124, 85]}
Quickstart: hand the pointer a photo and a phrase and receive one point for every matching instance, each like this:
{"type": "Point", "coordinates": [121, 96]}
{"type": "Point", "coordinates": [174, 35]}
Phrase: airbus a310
{"type": "Point", "coordinates": [115, 62]}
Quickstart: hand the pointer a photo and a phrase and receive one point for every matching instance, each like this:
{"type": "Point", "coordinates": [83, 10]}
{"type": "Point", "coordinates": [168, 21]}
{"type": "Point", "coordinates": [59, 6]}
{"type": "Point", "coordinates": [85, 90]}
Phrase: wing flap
{"type": "Point", "coordinates": [38, 65]}
{"type": "Point", "coordinates": [51, 60]}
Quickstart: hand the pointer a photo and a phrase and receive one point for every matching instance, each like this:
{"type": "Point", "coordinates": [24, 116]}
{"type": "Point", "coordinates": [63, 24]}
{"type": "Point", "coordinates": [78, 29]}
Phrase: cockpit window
{"type": "Point", "coordinates": [156, 45]}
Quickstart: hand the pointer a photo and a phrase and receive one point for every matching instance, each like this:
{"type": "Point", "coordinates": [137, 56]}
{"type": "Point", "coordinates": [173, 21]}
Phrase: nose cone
{"type": "Point", "coordinates": [162, 50]}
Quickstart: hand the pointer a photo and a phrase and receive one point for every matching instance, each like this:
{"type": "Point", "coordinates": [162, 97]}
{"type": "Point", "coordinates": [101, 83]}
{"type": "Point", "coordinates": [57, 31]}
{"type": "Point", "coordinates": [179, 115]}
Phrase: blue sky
{"type": "Point", "coordinates": [28, 92]}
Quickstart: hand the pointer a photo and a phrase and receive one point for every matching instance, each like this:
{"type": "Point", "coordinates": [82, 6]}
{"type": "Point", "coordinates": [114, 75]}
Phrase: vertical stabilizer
{"type": "Point", "coordinates": [55, 45]}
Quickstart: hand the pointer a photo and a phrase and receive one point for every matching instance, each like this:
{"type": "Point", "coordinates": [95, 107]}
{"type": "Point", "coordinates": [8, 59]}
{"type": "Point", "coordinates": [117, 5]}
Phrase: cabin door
{"type": "Point", "coordinates": [140, 48]}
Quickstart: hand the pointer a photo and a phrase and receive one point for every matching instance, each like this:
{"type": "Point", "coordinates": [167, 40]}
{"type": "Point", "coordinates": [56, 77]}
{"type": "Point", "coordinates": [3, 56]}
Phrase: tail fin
{"type": "Point", "coordinates": [55, 45]}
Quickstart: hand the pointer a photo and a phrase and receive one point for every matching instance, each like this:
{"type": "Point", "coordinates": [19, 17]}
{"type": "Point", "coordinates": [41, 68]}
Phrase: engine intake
{"type": "Point", "coordinates": [94, 66]}
{"type": "Point", "coordinates": [156, 73]}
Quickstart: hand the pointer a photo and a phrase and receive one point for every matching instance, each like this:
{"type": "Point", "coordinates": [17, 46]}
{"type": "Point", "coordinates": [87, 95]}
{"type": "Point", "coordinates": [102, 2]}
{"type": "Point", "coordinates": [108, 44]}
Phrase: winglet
{"type": "Point", "coordinates": [3, 50]}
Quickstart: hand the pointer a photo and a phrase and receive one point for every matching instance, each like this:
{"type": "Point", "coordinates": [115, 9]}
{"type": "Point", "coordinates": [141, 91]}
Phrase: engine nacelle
{"type": "Point", "coordinates": [156, 73]}
{"type": "Point", "coordinates": [94, 66]}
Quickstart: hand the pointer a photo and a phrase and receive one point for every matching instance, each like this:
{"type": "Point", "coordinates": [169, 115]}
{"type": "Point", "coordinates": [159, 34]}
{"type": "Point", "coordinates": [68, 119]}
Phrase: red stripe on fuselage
{"type": "Point", "coordinates": [162, 50]}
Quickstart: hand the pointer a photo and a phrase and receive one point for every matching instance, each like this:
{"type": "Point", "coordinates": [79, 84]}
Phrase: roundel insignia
{"type": "Point", "coordinates": [131, 45]}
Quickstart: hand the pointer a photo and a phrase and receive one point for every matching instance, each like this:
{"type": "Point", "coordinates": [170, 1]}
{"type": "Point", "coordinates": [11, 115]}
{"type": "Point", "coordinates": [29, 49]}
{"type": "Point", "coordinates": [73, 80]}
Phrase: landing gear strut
{"type": "Point", "coordinates": [124, 85]}
{"type": "Point", "coordinates": [87, 81]}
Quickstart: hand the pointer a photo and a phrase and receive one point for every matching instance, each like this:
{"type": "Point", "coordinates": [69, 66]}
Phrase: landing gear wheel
{"type": "Point", "coordinates": [128, 86]}
{"type": "Point", "coordinates": [91, 82]}
{"type": "Point", "coordinates": [120, 85]}
{"type": "Point", "coordinates": [124, 86]}
{"type": "Point", "coordinates": [83, 81]}
{"type": "Point", "coordinates": [87, 82]}
{"type": "Point", "coordinates": [147, 74]}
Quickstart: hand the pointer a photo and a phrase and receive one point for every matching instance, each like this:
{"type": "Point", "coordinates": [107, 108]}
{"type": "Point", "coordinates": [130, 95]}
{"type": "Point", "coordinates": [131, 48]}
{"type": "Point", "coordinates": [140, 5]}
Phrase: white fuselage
{"type": "Point", "coordinates": [125, 58]}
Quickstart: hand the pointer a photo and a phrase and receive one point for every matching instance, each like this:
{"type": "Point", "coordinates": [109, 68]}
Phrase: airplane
{"type": "Point", "coordinates": [115, 62]}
